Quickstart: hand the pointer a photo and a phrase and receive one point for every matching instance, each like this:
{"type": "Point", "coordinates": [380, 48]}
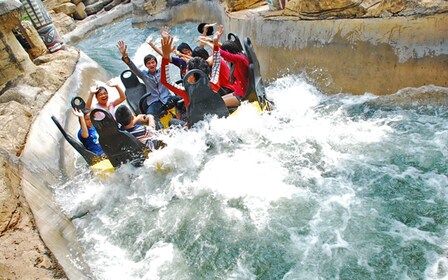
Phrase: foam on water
{"type": "Point", "coordinates": [323, 187]}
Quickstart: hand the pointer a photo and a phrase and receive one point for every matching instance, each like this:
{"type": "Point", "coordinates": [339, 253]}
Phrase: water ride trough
{"type": "Point", "coordinates": [122, 147]}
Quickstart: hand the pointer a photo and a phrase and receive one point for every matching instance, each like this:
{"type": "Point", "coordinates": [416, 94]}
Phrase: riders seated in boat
{"type": "Point", "coordinates": [160, 95]}
{"type": "Point", "coordinates": [181, 63]}
{"type": "Point", "coordinates": [194, 63]}
{"type": "Point", "coordinates": [232, 53]}
{"type": "Point", "coordinates": [87, 134]}
{"type": "Point", "coordinates": [226, 85]}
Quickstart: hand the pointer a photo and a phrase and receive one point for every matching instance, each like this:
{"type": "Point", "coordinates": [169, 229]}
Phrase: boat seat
{"type": "Point", "coordinates": [134, 90]}
{"type": "Point", "coordinates": [120, 146]}
{"type": "Point", "coordinates": [255, 90]}
{"type": "Point", "coordinates": [90, 157]}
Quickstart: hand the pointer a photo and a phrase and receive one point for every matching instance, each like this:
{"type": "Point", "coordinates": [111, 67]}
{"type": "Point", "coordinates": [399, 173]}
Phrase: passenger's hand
{"type": "Point", "coordinates": [218, 34]}
{"type": "Point", "coordinates": [122, 48]}
{"type": "Point", "coordinates": [77, 112]}
{"type": "Point", "coordinates": [220, 30]}
{"type": "Point", "coordinates": [150, 40]}
{"type": "Point", "coordinates": [94, 89]}
{"type": "Point", "coordinates": [167, 43]}
{"type": "Point", "coordinates": [112, 82]}
{"type": "Point", "coordinates": [165, 31]}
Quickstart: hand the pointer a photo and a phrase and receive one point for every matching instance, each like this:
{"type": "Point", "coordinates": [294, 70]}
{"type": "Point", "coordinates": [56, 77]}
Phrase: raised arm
{"type": "Point", "coordinates": [92, 92]}
{"type": "Point", "coordinates": [204, 33]}
{"type": "Point", "coordinates": [216, 56]}
{"type": "Point", "coordinates": [121, 97]}
{"type": "Point", "coordinates": [122, 47]}
{"type": "Point", "coordinates": [150, 42]}
{"type": "Point", "coordinates": [82, 121]}
{"type": "Point", "coordinates": [164, 75]}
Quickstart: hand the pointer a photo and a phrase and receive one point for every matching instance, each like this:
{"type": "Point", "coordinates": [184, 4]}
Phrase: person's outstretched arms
{"type": "Point", "coordinates": [216, 56]}
{"type": "Point", "coordinates": [121, 97]}
{"type": "Point", "coordinates": [122, 47]}
{"type": "Point", "coordinates": [150, 42]}
{"type": "Point", "coordinates": [82, 121]}
{"type": "Point", "coordinates": [93, 90]}
{"type": "Point", "coordinates": [164, 74]}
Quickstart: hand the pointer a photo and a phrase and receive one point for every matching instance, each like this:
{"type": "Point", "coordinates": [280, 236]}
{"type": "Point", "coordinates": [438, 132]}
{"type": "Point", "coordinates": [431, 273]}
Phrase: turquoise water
{"type": "Point", "coordinates": [324, 187]}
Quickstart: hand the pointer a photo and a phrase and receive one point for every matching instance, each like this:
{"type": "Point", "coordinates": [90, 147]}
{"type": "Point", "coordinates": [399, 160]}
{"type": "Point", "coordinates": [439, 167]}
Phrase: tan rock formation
{"type": "Point", "coordinates": [80, 11]}
{"type": "Point", "coordinates": [238, 5]}
{"type": "Point", "coordinates": [14, 60]}
{"type": "Point", "coordinates": [32, 37]}
{"type": "Point", "coordinates": [66, 8]}
{"type": "Point", "coordinates": [153, 6]}
{"type": "Point", "coordinates": [313, 9]}
{"type": "Point", "coordinates": [63, 23]}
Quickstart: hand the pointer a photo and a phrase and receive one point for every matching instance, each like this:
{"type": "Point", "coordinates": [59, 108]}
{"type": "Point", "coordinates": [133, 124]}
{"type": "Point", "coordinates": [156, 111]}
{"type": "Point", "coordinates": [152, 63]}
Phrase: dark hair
{"type": "Point", "coordinates": [199, 63]}
{"type": "Point", "coordinates": [123, 115]}
{"type": "Point", "coordinates": [201, 29]}
{"type": "Point", "coordinates": [231, 47]}
{"type": "Point", "coordinates": [86, 111]}
{"type": "Point", "coordinates": [148, 58]}
{"type": "Point", "coordinates": [200, 52]}
{"type": "Point", "coordinates": [100, 88]}
{"type": "Point", "coordinates": [182, 46]}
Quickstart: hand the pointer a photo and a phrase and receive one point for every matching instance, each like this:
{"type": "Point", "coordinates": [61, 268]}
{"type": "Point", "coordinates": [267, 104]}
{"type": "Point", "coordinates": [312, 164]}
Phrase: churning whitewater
{"type": "Point", "coordinates": [323, 187]}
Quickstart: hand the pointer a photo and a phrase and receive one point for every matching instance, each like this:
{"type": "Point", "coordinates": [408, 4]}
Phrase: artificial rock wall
{"type": "Point", "coordinates": [14, 60]}
{"type": "Point", "coordinates": [378, 55]}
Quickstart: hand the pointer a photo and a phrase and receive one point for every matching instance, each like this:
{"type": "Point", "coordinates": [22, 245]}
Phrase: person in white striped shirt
{"type": "Point", "coordinates": [141, 126]}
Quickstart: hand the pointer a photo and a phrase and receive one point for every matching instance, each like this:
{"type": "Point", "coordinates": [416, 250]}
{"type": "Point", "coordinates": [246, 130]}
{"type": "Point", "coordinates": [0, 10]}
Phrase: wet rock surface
{"type": "Point", "coordinates": [23, 255]}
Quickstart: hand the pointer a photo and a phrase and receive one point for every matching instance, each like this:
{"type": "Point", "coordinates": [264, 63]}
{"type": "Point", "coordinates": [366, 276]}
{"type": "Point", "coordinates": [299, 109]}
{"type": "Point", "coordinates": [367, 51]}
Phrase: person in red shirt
{"type": "Point", "coordinates": [224, 71]}
{"type": "Point", "coordinates": [231, 53]}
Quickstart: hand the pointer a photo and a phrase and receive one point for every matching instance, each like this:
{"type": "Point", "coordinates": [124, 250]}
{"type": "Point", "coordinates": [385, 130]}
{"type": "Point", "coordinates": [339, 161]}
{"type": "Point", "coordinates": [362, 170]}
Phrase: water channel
{"type": "Point", "coordinates": [324, 187]}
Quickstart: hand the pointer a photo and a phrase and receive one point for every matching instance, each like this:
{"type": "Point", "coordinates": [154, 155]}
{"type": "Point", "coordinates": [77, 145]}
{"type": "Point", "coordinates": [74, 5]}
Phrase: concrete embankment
{"type": "Point", "coordinates": [48, 160]}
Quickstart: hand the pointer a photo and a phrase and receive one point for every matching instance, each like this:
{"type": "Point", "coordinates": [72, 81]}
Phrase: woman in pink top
{"type": "Point", "coordinates": [231, 52]}
{"type": "Point", "coordinates": [102, 96]}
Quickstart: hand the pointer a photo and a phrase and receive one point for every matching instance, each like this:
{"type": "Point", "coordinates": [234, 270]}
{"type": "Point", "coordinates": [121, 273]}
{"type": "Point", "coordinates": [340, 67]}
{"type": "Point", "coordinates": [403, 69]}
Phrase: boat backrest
{"type": "Point", "coordinates": [120, 146]}
{"type": "Point", "coordinates": [134, 90]}
{"type": "Point", "coordinates": [203, 100]}
{"type": "Point", "coordinates": [255, 91]}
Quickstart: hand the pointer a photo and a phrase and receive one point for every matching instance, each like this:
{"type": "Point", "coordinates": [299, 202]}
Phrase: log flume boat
{"type": "Point", "coordinates": [121, 147]}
